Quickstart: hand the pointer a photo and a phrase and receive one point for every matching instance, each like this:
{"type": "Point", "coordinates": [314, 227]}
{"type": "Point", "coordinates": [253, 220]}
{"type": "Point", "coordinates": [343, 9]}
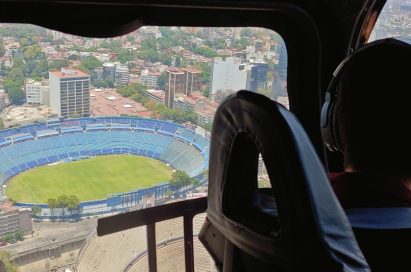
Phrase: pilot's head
{"type": "Point", "coordinates": [373, 109]}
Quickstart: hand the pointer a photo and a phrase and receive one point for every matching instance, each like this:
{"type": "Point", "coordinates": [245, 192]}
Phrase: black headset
{"type": "Point", "coordinates": [328, 121]}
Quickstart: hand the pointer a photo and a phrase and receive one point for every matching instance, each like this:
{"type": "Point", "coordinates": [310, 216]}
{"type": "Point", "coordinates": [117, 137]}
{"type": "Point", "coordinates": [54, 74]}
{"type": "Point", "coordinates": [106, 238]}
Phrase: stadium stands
{"type": "Point", "coordinates": [126, 250]}
{"type": "Point", "coordinates": [30, 146]}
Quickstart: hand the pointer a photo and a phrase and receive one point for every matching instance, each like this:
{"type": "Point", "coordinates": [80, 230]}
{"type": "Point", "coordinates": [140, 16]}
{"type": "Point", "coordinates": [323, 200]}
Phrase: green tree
{"type": "Point", "coordinates": [36, 210]}
{"type": "Point", "coordinates": [162, 81]}
{"type": "Point", "coordinates": [168, 193]}
{"type": "Point", "coordinates": [195, 182]}
{"type": "Point", "coordinates": [52, 203]}
{"type": "Point", "coordinates": [8, 237]}
{"type": "Point", "coordinates": [18, 235]}
{"type": "Point", "coordinates": [208, 126]}
{"type": "Point", "coordinates": [130, 38]}
{"type": "Point", "coordinates": [73, 202]}
{"type": "Point", "coordinates": [125, 55]}
{"type": "Point", "coordinates": [91, 63]}
{"type": "Point", "coordinates": [180, 178]}
{"type": "Point", "coordinates": [16, 95]}
{"type": "Point", "coordinates": [5, 258]}
{"type": "Point", "coordinates": [58, 64]}
{"type": "Point", "coordinates": [133, 89]}
{"type": "Point", "coordinates": [178, 62]}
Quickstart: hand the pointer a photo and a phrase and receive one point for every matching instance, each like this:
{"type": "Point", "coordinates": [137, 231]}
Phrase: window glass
{"type": "Point", "coordinates": [95, 127]}
{"type": "Point", "coordinates": [394, 21]}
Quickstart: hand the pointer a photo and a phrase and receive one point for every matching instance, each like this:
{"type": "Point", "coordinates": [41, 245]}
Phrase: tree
{"type": "Point", "coordinates": [73, 202]}
{"type": "Point", "coordinates": [178, 62]}
{"type": "Point", "coordinates": [16, 95]}
{"type": "Point", "coordinates": [208, 126]}
{"type": "Point", "coordinates": [195, 182]}
{"type": "Point", "coordinates": [130, 38]}
{"type": "Point", "coordinates": [18, 235]}
{"type": "Point", "coordinates": [58, 64]}
{"type": "Point", "coordinates": [162, 81]}
{"type": "Point", "coordinates": [169, 193]}
{"type": "Point", "coordinates": [125, 55]}
{"type": "Point", "coordinates": [131, 90]}
{"type": "Point", "coordinates": [36, 210]}
{"type": "Point", "coordinates": [5, 258]}
{"type": "Point", "coordinates": [91, 63]}
{"type": "Point", "coordinates": [62, 201]}
{"type": "Point", "coordinates": [52, 203]}
{"type": "Point", "coordinates": [180, 178]}
{"type": "Point", "coordinates": [8, 237]}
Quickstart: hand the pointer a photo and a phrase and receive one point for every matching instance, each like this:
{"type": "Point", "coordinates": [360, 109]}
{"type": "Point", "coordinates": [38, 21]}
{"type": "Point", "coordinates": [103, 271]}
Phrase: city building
{"type": "Point", "coordinates": [122, 75]}
{"type": "Point", "coordinates": [27, 114]}
{"type": "Point", "coordinates": [12, 220]}
{"type": "Point", "coordinates": [157, 96]}
{"type": "Point", "coordinates": [149, 79]}
{"type": "Point", "coordinates": [228, 74]}
{"type": "Point", "coordinates": [109, 71]}
{"type": "Point", "coordinates": [192, 79]}
{"type": "Point", "coordinates": [257, 75]}
{"type": "Point", "coordinates": [70, 93]}
{"type": "Point", "coordinates": [205, 111]}
{"type": "Point", "coordinates": [222, 94]}
{"type": "Point", "coordinates": [175, 83]}
{"type": "Point", "coordinates": [187, 103]}
{"type": "Point", "coordinates": [37, 92]}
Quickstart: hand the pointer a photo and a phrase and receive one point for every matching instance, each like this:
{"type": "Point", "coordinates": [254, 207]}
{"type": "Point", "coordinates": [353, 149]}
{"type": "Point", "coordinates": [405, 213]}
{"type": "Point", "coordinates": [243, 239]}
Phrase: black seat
{"type": "Point", "coordinates": [296, 226]}
{"type": "Point", "coordinates": [384, 236]}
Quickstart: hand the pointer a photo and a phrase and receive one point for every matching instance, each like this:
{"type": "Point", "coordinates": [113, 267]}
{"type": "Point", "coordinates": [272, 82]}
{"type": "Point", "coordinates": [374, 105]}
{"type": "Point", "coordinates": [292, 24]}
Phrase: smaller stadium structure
{"type": "Point", "coordinates": [27, 147]}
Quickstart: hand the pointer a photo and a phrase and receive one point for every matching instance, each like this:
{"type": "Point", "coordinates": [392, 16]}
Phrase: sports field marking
{"type": "Point", "coordinates": [88, 179]}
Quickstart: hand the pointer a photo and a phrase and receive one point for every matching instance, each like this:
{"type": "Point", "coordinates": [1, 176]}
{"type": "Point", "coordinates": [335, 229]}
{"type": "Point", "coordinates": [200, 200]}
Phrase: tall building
{"type": "Point", "coordinates": [70, 93]}
{"type": "Point", "coordinates": [109, 71]}
{"type": "Point", "coordinates": [257, 75]}
{"type": "Point", "coordinates": [37, 92]}
{"type": "Point", "coordinates": [12, 220]}
{"type": "Point", "coordinates": [122, 75]}
{"type": "Point", "coordinates": [149, 79]}
{"type": "Point", "coordinates": [228, 74]}
{"type": "Point", "coordinates": [175, 83]}
{"type": "Point", "coordinates": [181, 81]}
{"type": "Point", "coordinates": [192, 79]}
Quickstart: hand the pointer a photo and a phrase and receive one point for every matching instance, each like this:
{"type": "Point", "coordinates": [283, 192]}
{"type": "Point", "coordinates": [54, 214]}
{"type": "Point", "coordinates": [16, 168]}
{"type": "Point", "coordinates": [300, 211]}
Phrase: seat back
{"type": "Point", "coordinates": [298, 225]}
{"type": "Point", "coordinates": [384, 236]}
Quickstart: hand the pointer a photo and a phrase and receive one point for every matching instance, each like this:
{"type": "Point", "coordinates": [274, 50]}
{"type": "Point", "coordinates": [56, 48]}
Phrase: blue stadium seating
{"type": "Point", "coordinates": [30, 146]}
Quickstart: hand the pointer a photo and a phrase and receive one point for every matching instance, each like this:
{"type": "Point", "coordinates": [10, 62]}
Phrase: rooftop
{"type": "Point", "coordinates": [106, 102]}
{"type": "Point", "coordinates": [69, 73]}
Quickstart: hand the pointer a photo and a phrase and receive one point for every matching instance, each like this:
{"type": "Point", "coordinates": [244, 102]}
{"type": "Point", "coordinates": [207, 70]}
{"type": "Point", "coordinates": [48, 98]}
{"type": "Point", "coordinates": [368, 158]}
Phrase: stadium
{"type": "Point", "coordinates": [57, 141]}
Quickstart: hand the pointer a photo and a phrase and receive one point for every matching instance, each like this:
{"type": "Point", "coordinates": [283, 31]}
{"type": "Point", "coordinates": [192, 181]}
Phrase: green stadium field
{"type": "Point", "coordinates": [88, 179]}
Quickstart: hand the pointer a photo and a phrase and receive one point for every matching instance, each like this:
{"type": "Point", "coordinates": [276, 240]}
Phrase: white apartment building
{"type": "Point", "coordinates": [149, 79]}
{"type": "Point", "coordinates": [228, 74]}
{"type": "Point", "coordinates": [37, 92]}
{"type": "Point", "coordinates": [122, 75]}
{"type": "Point", "coordinates": [70, 93]}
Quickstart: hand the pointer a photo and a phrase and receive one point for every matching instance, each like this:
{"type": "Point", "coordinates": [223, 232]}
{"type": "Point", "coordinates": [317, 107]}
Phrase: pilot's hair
{"type": "Point", "coordinates": [373, 109]}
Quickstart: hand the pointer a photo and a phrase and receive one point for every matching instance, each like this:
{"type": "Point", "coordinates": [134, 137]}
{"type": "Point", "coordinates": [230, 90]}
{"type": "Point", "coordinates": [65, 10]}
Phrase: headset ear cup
{"type": "Point", "coordinates": [328, 128]}
{"type": "Point", "coordinates": [335, 132]}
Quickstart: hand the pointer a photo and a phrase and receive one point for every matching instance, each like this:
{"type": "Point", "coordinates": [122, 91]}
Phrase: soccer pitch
{"type": "Point", "coordinates": [88, 179]}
